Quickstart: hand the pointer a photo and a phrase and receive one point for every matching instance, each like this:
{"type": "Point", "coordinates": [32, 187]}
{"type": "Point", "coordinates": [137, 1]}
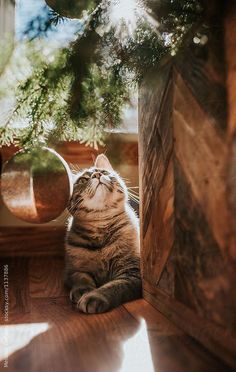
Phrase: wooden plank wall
{"type": "Point", "coordinates": [188, 177]}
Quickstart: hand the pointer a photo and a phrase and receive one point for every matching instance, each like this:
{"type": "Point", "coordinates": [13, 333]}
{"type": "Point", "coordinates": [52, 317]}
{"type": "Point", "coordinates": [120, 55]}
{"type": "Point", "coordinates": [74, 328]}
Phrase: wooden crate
{"type": "Point", "coordinates": [188, 179]}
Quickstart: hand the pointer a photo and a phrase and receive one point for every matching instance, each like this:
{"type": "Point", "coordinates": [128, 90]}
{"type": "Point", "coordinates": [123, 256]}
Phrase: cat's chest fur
{"type": "Point", "coordinates": [98, 263]}
{"type": "Point", "coordinates": [101, 250]}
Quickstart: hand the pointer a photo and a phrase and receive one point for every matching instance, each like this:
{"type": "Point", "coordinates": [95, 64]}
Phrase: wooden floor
{"type": "Point", "coordinates": [44, 333]}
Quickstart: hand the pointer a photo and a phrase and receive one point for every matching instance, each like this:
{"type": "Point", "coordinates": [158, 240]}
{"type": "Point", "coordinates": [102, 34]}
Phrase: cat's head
{"type": "Point", "coordinates": [98, 188]}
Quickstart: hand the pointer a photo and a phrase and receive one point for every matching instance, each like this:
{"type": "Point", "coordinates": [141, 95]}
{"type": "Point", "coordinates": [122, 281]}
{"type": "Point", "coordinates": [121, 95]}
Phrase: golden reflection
{"type": "Point", "coordinates": [36, 185]}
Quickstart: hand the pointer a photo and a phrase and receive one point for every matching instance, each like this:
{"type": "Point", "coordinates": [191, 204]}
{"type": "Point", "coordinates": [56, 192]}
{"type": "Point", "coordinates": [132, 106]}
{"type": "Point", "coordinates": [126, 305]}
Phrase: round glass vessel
{"type": "Point", "coordinates": [36, 185]}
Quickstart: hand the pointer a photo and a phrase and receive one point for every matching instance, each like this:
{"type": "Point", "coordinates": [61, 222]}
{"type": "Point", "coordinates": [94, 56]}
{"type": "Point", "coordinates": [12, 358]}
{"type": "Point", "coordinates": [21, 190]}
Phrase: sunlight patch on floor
{"type": "Point", "coordinates": [14, 337]}
{"type": "Point", "coordinates": [137, 353]}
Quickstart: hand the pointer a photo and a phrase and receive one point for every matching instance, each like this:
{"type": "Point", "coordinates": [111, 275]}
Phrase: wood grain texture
{"type": "Point", "coordinates": [52, 335]}
{"type": "Point", "coordinates": [202, 154]}
{"type": "Point", "coordinates": [77, 153]}
{"type": "Point", "coordinates": [74, 342]}
{"type": "Point", "coordinates": [189, 259]}
{"type": "Point", "coordinates": [156, 145]}
{"type": "Point", "coordinates": [231, 196]}
{"type": "Point", "coordinates": [218, 340]}
{"type": "Point", "coordinates": [166, 340]}
{"type": "Point", "coordinates": [46, 277]}
{"type": "Point", "coordinates": [126, 150]}
{"type": "Point", "coordinates": [28, 241]}
{"type": "Point", "coordinates": [202, 65]}
{"type": "Point", "coordinates": [203, 279]}
{"type": "Point", "coordinates": [230, 58]}
{"type": "Point", "coordinates": [158, 137]}
{"type": "Point", "coordinates": [18, 287]}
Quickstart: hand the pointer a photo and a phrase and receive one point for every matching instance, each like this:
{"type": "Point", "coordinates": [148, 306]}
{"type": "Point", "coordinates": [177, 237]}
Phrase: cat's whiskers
{"type": "Point", "coordinates": [133, 192]}
{"type": "Point", "coordinates": [78, 202]}
{"type": "Point", "coordinates": [134, 200]}
{"type": "Point", "coordinates": [74, 168]}
{"type": "Point", "coordinates": [120, 190]}
{"type": "Point", "coordinates": [126, 180]}
{"type": "Point", "coordinates": [65, 217]}
{"type": "Point", "coordinates": [133, 197]}
{"type": "Point", "coordinates": [90, 190]}
{"type": "Point", "coordinates": [74, 206]}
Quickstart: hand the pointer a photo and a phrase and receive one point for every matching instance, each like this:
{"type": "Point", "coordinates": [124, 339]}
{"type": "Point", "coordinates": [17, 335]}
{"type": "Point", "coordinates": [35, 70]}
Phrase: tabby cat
{"type": "Point", "coordinates": [102, 241]}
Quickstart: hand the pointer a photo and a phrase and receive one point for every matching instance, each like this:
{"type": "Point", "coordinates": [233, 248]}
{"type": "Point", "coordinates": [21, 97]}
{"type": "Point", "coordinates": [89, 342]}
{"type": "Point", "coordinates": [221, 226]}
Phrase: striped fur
{"type": "Point", "coordinates": [102, 242]}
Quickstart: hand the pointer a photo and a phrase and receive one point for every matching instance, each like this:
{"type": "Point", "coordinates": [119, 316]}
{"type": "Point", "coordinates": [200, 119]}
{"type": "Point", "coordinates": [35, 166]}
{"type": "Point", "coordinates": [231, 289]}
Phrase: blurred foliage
{"type": "Point", "coordinates": [6, 47]}
{"type": "Point", "coordinates": [39, 159]}
{"type": "Point", "coordinates": [78, 91]}
{"type": "Point", "coordinates": [42, 23]}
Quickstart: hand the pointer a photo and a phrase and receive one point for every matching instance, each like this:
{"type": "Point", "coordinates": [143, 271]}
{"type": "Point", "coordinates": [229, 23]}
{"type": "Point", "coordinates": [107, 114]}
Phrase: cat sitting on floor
{"type": "Point", "coordinates": [102, 241]}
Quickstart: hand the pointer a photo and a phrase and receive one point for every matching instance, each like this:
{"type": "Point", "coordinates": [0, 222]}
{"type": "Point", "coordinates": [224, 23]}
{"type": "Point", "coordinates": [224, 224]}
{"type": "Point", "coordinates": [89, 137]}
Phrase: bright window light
{"type": "Point", "coordinates": [14, 337]}
{"type": "Point", "coordinates": [137, 353]}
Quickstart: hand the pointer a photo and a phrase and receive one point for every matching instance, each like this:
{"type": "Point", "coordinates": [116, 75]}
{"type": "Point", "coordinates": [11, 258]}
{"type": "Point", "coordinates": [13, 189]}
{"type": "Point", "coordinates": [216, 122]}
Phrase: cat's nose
{"type": "Point", "coordinates": [96, 175]}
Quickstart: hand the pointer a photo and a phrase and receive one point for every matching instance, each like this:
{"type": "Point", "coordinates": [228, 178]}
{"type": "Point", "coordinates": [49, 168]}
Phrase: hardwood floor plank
{"type": "Point", "coordinates": [46, 277]}
{"type": "Point", "coordinates": [220, 341]}
{"type": "Point", "coordinates": [74, 341]}
{"type": "Point", "coordinates": [48, 333]}
{"type": "Point", "coordinates": [171, 348]}
{"type": "Point", "coordinates": [32, 241]}
{"type": "Point", "coordinates": [18, 287]}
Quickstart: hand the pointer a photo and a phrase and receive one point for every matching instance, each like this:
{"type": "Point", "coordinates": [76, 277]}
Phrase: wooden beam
{"type": "Point", "coordinates": [32, 241]}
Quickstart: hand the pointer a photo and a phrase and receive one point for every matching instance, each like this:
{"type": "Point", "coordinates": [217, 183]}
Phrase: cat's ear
{"type": "Point", "coordinates": [103, 162]}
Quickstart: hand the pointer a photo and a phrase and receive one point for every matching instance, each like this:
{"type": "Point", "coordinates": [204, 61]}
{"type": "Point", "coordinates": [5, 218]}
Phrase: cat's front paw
{"type": "Point", "coordinates": [77, 292]}
{"type": "Point", "coordinates": [93, 303]}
